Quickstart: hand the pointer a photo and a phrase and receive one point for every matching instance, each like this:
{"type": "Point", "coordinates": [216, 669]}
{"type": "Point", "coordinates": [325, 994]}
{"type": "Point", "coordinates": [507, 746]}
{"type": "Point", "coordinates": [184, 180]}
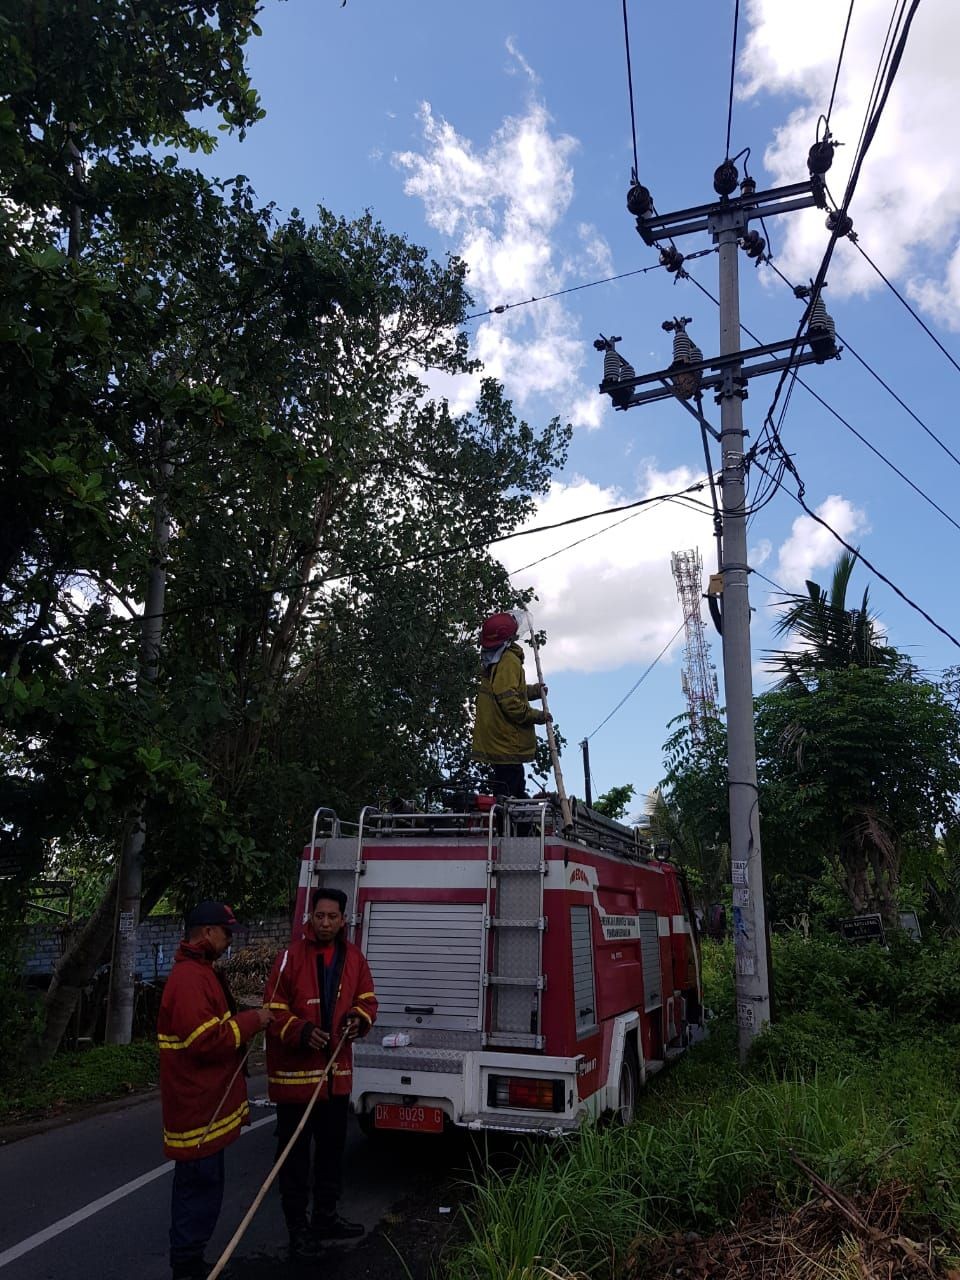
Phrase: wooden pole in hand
{"type": "Point", "coordinates": [281, 1159]}
{"type": "Point", "coordinates": [551, 740]}
{"type": "Point", "coordinates": [243, 1061]}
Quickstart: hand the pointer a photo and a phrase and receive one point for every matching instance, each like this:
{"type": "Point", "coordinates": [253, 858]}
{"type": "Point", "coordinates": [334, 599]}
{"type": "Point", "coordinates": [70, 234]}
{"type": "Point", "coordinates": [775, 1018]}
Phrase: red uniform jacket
{"type": "Point", "coordinates": [200, 1039]}
{"type": "Point", "coordinates": [294, 994]}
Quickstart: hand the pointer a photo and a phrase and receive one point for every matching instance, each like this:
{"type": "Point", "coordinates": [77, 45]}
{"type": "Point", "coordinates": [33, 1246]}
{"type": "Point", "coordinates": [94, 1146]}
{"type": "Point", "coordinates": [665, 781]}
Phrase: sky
{"type": "Point", "coordinates": [501, 132]}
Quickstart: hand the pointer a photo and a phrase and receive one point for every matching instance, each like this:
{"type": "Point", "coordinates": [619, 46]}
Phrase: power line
{"type": "Point", "coordinates": [836, 74]}
{"type": "Point", "coordinates": [871, 125]}
{"type": "Point", "coordinates": [575, 288]}
{"type": "Point", "coordinates": [633, 688]}
{"type": "Point", "coordinates": [788, 462]}
{"type": "Point", "coordinates": [896, 292]}
{"type": "Point", "coordinates": [569, 547]}
{"type": "Point", "coordinates": [798, 498]}
{"type": "Point", "coordinates": [633, 114]}
{"type": "Point", "coordinates": [733, 71]}
{"type": "Point", "coordinates": [590, 284]}
{"type": "Point", "coordinates": [873, 373]}
{"type": "Point", "coordinates": [701, 508]}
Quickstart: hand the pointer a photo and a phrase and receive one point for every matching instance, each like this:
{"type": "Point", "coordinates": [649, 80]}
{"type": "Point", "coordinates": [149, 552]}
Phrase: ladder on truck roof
{"type": "Point", "coordinates": [514, 925]}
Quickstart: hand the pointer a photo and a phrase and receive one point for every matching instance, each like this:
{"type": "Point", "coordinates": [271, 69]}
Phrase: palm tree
{"type": "Point", "coordinates": [831, 635]}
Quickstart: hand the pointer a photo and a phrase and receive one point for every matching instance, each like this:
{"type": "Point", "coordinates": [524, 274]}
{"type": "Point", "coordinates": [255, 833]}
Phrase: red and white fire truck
{"type": "Point", "coordinates": [530, 976]}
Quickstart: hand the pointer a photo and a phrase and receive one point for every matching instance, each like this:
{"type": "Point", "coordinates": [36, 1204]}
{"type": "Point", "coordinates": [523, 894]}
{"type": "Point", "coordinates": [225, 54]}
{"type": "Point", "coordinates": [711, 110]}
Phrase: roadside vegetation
{"type": "Point", "coordinates": [858, 1081]}
{"type": "Point", "coordinates": [77, 1077]}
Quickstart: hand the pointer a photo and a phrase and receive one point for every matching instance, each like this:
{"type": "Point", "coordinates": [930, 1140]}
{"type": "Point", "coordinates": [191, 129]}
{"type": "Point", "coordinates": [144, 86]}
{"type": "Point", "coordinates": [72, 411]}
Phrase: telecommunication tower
{"type": "Point", "coordinates": [698, 677]}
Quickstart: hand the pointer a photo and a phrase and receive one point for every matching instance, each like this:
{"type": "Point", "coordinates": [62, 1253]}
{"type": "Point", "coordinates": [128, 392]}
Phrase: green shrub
{"type": "Point", "coordinates": [90, 1075]}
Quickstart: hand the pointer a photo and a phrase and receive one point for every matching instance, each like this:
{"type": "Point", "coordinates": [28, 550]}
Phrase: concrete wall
{"type": "Point", "coordinates": [157, 940]}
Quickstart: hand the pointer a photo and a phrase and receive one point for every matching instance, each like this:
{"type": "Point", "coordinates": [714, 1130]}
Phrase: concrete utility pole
{"type": "Point", "coordinates": [119, 1029]}
{"type": "Point", "coordinates": [727, 374]}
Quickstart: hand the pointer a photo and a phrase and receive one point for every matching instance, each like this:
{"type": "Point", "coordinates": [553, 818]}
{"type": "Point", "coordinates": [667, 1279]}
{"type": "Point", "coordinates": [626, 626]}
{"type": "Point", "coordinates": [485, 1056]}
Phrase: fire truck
{"type": "Point", "coordinates": [530, 976]}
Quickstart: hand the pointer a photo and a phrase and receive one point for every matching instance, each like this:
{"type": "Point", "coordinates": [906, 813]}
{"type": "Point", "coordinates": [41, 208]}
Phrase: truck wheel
{"type": "Point", "coordinates": [626, 1108]}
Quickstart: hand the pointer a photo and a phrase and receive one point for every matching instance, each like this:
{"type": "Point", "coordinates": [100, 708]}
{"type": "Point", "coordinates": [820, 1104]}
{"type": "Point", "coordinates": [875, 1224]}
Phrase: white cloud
{"type": "Point", "coordinates": [611, 600]}
{"type": "Point", "coordinates": [810, 546]}
{"type": "Point", "coordinates": [761, 553]}
{"type": "Point", "coordinates": [503, 205]}
{"type": "Point", "coordinates": [521, 61]}
{"type": "Point", "coordinates": [906, 208]}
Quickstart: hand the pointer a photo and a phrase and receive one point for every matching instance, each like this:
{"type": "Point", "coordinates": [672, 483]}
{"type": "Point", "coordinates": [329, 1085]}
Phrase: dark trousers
{"type": "Point", "coordinates": [326, 1133]}
{"type": "Point", "coordinates": [195, 1207]}
{"type": "Point", "coordinates": [509, 780]}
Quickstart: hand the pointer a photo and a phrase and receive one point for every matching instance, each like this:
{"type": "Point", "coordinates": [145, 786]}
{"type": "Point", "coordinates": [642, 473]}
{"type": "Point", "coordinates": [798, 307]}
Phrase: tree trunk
{"type": "Point", "coordinates": [77, 966]}
{"type": "Point", "coordinates": [86, 951]}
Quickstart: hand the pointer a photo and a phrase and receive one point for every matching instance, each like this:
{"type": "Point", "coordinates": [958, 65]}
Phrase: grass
{"type": "Point", "coordinates": [91, 1075]}
{"type": "Point", "coordinates": [869, 1104]}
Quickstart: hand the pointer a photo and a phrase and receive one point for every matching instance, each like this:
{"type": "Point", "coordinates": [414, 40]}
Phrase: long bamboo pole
{"type": "Point", "coordinates": [281, 1160]}
{"type": "Point", "coordinates": [551, 740]}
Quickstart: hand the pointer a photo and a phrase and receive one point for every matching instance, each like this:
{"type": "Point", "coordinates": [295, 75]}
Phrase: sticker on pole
{"type": "Point", "coordinates": [745, 1015]}
{"type": "Point", "coordinates": [738, 872]}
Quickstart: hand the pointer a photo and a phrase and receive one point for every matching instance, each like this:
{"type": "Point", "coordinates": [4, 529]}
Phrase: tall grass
{"type": "Point", "coordinates": [861, 1094]}
{"type": "Point", "coordinates": [584, 1203]}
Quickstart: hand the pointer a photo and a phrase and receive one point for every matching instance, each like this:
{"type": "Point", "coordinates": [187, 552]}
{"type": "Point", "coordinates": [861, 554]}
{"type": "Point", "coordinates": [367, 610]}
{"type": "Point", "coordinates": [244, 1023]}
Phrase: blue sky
{"type": "Point", "coordinates": [501, 131]}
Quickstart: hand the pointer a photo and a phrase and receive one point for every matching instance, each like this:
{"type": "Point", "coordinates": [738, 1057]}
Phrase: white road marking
{"type": "Point", "coordinates": [88, 1210]}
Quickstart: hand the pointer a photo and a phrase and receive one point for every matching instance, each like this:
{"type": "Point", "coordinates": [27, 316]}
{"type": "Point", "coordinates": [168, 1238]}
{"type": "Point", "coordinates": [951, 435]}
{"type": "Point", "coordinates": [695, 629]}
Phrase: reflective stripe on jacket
{"type": "Point", "coordinates": [293, 1069]}
{"type": "Point", "coordinates": [503, 731]}
{"type": "Point", "coordinates": [200, 1040]}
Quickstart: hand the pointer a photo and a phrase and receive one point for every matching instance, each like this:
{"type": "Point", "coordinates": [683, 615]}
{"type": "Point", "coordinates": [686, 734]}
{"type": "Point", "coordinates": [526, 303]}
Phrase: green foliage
{"type": "Point", "coordinates": [857, 768]}
{"type": "Point", "coordinates": [90, 1075]}
{"type": "Point", "coordinates": [689, 809]}
{"type": "Point", "coordinates": [828, 634]}
{"type": "Point", "coordinates": [860, 1110]}
{"type": "Point", "coordinates": [582, 1205]}
{"type": "Point", "coordinates": [615, 802]}
{"type": "Point", "coordinates": [171, 349]}
{"type": "Point", "coordinates": [18, 1014]}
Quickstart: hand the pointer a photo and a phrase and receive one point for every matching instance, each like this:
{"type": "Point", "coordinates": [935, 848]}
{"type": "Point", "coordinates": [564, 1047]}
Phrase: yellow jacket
{"type": "Point", "coordinates": [503, 731]}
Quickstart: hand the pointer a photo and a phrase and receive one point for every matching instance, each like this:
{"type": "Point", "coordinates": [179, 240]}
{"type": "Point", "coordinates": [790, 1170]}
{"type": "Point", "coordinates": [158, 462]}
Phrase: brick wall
{"type": "Point", "coordinates": [157, 940]}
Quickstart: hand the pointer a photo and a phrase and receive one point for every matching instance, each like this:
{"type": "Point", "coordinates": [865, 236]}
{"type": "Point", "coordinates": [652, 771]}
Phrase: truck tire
{"type": "Point", "coordinates": [625, 1111]}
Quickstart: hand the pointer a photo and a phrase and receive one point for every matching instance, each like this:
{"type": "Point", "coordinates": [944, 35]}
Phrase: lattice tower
{"type": "Point", "coordinates": [698, 676]}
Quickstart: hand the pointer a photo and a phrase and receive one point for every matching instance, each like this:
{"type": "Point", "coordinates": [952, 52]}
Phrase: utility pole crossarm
{"type": "Point", "coordinates": [817, 354]}
{"type": "Point", "coordinates": [761, 204]}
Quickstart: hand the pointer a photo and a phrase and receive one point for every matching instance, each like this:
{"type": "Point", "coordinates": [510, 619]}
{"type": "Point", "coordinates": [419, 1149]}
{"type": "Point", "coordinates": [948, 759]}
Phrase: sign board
{"type": "Point", "coordinates": [910, 925]}
{"type": "Point", "coordinates": [863, 929]}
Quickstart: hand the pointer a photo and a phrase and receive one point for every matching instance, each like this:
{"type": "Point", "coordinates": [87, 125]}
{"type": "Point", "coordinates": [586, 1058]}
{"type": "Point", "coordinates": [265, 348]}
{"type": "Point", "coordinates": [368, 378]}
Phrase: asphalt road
{"type": "Point", "coordinates": [91, 1200]}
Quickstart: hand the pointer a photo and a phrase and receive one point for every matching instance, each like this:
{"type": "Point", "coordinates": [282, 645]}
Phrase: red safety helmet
{"type": "Point", "coordinates": [497, 629]}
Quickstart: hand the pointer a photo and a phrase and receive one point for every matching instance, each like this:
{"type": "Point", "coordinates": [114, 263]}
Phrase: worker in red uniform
{"type": "Point", "coordinates": [503, 732]}
{"type": "Point", "coordinates": [202, 1094]}
{"type": "Point", "coordinates": [320, 989]}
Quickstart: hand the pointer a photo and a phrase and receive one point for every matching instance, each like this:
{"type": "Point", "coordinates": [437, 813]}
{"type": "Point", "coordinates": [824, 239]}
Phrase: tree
{"type": "Point", "coordinates": [862, 755]}
{"type": "Point", "coordinates": [615, 802]}
{"type": "Point", "coordinates": [829, 635]}
{"type": "Point", "coordinates": [864, 765]}
{"type": "Point", "coordinates": [327, 570]}
{"type": "Point", "coordinates": [689, 808]}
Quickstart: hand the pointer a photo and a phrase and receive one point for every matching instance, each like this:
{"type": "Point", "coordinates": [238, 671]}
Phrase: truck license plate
{"type": "Point", "coordinates": [390, 1115]}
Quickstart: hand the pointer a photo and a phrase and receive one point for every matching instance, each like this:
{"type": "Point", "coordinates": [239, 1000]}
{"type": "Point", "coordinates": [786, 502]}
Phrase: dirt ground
{"type": "Point", "coordinates": [833, 1237]}
{"type": "Point", "coordinates": [411, 1240]}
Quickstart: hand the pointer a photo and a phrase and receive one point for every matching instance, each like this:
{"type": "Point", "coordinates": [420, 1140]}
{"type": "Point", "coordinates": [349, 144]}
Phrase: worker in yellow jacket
{"type": "Point", "coordinates": [503, 733]}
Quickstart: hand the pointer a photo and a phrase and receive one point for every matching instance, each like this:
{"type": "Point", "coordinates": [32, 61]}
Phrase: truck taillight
{"type": "Point", "coordinates": [525, 1092]}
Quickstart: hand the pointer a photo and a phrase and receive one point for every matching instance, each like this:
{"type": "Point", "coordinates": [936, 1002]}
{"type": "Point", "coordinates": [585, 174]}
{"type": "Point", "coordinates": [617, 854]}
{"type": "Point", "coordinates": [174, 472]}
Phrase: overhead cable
{"type": "Point", "coordinates": [896, 292]}
{"type": "Point", "coordinates": [575, 288]}
{"type": "Point", "coordinates": [634, 687]}
{"type": "Point", "coordinates": [733, 72]}
{"type": "Point", "coordinates": [633, 112]}
{"type": "Point", "coordinates": [873, 373]}
{"type": "Point", "coordinates": [840, 218]}
{"type": "Point", "coordinates": [798, 498]}
{"type": "Point", "coordinates": [836, 74]}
